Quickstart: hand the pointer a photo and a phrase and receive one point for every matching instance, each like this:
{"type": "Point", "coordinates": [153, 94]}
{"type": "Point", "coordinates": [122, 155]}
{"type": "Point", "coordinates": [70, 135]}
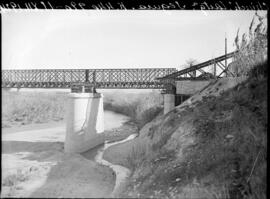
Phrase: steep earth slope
{"type": "Point", "coordinates": [211, 146]}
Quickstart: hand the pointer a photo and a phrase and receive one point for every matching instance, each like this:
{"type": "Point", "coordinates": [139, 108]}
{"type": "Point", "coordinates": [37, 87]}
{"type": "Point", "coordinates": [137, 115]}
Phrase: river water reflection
{"type": "Point", "coordinates": [55, 132]}
{"type": "Point", "coordinates": [113, 120]}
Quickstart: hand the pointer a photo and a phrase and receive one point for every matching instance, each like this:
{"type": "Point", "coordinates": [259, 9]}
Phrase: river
{"type": "Point", "coordinates": [113, 120]}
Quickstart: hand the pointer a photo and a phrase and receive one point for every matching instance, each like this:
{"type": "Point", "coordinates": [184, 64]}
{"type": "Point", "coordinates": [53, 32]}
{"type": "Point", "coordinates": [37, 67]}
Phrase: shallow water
{"type": "Point", "coordinates": [56, 133]}
{"type": "Point", "coordinates": [121, 172]}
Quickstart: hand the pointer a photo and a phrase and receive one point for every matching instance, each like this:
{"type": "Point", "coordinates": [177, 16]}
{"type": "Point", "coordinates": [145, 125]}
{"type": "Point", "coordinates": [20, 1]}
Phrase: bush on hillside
{"type": "Point", "coordinates": [141, 108]}
{"type": "Point", "coordinates": [252, 48]}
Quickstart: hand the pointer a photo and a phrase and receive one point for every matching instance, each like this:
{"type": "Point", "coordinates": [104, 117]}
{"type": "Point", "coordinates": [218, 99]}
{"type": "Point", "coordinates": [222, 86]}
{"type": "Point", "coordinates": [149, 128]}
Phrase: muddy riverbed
{"type": "Point", "coordinates": [34, 163]}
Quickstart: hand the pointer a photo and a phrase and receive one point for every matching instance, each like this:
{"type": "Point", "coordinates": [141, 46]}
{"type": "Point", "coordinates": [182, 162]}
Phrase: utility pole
{"type": "Point", "coordinates": [225, 54]}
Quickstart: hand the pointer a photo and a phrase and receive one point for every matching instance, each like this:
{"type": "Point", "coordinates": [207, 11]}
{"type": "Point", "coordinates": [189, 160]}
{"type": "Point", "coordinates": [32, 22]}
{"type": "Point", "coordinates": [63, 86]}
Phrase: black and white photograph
{"type": "Point", "coordinates": [134, 103]}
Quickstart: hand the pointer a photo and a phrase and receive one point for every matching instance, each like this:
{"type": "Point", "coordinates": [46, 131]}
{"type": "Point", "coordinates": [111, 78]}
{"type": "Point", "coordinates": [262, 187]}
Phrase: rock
{"type": "Point", "coordinates": [177, 179]}
{"type": "Point", "coordinates": [229, 136]}
{"type": "Point", "coordinates": [19, 187]}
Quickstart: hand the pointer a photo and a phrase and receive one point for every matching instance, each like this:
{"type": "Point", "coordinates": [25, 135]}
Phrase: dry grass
{"type": "Point", "coordinates": [20, 108]}
{"type": "Point", "coordinates": [197, 190]}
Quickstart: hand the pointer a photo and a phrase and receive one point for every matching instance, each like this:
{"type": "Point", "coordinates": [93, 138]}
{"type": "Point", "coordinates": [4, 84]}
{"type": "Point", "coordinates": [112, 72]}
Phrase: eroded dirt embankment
{"type": "Point", "coordinates": [205, 148]}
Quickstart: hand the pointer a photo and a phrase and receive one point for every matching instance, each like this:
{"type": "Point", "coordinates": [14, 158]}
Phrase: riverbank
{"type": "Point", "coordinates": [207, 147]}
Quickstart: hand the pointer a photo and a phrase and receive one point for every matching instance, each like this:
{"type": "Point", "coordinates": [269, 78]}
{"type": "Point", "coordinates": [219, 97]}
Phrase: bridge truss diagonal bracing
{"type": "Point", "coordinates": [213, 68]}
{"type": "Point", "coordinates": [141, 78]}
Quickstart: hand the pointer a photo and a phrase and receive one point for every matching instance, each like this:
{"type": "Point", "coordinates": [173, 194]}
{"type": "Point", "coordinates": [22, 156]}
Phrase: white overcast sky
{"type": "Point", "coordinates": [59, 39]}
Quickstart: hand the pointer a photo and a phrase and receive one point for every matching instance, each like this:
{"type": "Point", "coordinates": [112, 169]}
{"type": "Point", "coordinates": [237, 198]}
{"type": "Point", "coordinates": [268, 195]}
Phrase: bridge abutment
{"type": "Point", "coordinates": [85, 122]}
{"type": "Point", "coordinates": [169, 98]}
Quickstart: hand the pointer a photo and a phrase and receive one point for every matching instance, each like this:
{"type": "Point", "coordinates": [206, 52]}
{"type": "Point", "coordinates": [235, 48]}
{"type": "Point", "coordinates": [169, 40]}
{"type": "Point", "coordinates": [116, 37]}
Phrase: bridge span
{"type": "Point", "coordinates": [140, 78]}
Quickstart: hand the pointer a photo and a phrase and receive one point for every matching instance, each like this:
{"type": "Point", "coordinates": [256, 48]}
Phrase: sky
{"type": "Point", "coordinates": [80, 39]}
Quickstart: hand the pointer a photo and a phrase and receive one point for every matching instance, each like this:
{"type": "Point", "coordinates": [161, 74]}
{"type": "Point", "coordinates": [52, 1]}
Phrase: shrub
{"type": "Point", "coordinates": [148, 115]}
{"type": "Point", "coordinates": [14, 179]}
{"type": "Point", "coordinates": [259, 71]}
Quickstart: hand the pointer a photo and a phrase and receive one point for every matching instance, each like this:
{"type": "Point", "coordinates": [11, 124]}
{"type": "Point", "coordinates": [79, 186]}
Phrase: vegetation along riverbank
{"type": "Point", "coordinates": [22, 108]}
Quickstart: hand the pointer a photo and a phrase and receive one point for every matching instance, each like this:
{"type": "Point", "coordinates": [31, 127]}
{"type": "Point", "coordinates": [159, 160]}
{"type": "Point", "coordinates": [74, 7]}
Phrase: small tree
{"type": "Point", "coordinates": [190, 62]}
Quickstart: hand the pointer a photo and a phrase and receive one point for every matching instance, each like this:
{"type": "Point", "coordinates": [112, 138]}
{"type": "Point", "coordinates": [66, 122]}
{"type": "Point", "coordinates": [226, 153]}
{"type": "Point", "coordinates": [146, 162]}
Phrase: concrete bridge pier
{"type": "Point", "coordinates": [84, 122]}
{"type": "Point", "coordinates": [169, 102]}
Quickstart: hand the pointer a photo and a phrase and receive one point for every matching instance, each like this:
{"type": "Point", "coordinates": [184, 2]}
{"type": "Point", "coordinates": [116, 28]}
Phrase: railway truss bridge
{"type": "Point", "coordinates": [87, 80]}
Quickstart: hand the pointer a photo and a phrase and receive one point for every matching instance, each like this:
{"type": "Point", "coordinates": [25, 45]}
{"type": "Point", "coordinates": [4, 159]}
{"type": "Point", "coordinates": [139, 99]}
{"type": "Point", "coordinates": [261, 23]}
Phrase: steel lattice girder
{"type": "Point", "coordinates": [142, 78]}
